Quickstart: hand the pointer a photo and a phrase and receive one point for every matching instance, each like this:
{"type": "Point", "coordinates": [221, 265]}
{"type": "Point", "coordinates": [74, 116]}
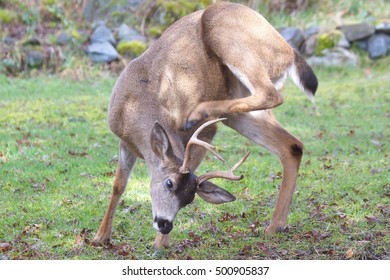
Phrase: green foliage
{"type": "Point", "coordinates": [327, 41]}
{"type": "Point", "coordinates": [134, 48]}
{"type": "Point", "coordinates": [7, 16]}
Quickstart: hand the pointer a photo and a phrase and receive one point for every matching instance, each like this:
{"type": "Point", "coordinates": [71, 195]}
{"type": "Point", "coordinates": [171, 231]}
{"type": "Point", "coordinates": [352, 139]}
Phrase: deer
{"type": "Point", "coordinates": [225, 64]}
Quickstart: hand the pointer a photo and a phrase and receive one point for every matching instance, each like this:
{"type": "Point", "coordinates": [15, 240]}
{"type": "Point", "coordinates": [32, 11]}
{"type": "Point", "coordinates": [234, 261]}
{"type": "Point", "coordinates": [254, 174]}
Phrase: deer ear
{"type": "Point", "coordinates": [160, 143]}
{"type": "Point", "coordinates": [214, 194]}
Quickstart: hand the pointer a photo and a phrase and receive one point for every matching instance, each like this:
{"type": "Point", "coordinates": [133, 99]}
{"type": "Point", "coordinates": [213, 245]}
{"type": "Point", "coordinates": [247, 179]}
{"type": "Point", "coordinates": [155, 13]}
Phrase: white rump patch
{"type": "Point", "coordinates": [241, 77]}
{"type": "Point", "coordinates": [293, 72]}
{"type": "Point", "coordinates": [279, 83]}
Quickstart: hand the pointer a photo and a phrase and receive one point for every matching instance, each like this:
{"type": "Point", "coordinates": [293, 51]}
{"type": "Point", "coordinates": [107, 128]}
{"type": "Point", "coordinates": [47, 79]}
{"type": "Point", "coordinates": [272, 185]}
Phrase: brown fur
{"type": "Point", "coordinates": [223, 61]}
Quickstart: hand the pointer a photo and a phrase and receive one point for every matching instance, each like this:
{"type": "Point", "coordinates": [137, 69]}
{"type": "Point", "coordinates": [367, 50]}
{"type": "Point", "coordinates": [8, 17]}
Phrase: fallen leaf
{"type": "Point", "coordinates": [78, 241]}
{"type": "Point", "coordinates": [4, 247]}
{"type": "Point", "coordinates": [349, 253]}
{"type": "Point", "coordinates": [79, 154]}
{"type": "Point", "coordinates": [3, 158]}
{"type": "Point", "coordinates": [351, 132]}
{"type": "Point", "coordinates": [124, 249]}
{"type": "Point", "coordinates": [371, 219]}
{"type": "Point", "coordinates": [376, 142]}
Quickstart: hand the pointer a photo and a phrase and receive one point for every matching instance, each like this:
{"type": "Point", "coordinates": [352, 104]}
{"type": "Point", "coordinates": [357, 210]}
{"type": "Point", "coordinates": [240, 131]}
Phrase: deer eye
{"type": "Point", "coordinates": [168, 184]}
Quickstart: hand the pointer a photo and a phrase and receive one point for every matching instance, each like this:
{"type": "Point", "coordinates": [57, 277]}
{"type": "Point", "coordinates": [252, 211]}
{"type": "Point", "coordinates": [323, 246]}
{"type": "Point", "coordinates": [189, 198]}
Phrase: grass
{"type": "Point", "coordinates": [57, 162]}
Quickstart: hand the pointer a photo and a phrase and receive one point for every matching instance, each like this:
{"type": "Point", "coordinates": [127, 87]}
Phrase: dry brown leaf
{"type": "Point", "coordinates": [349, 253]}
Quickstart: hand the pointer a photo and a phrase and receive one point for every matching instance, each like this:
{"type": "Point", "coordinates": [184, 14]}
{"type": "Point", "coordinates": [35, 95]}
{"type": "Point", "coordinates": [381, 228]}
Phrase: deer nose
{"type": "Point", "coordinates": [164, 226]}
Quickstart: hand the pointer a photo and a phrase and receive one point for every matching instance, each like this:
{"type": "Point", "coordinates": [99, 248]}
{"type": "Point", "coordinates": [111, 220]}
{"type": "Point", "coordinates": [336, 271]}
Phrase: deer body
{"type": "Point", "coordinates": [226, 61]}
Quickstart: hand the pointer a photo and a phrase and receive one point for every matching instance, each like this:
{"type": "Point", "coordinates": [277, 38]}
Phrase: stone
{"type": "Point", "coordinates": [102, 52]}
{"type": "Point", "coordinates": [128, 34]}
{"type": "Point", "coordinates": [34, 59]}
{"type": "Point", "coordinates": [343, 42]}
{"type": "Point", "coordinates": [294, 36]}
{"type": "Point", "coordinates": [357, 31]}
{"type": "Point", "coordinates": [383, 27]}
{"type": "Point", "coordinates": [310, 46]}
{"type": "Point", "coordinates": [338, 57]}
{"type": "Point", "coordinates": [32, 42]}
{"type": "Point", "coordinates": [361, 44]}
{"type": "Point", "coordinates": [63, 38]}
{"type": "Point", "coordinates": [102, 34]}
{"type": "Point", "coordinates": [311, 30]}
{"type": "Point", "coordinates": [378, 45]}
{"type": "Point", "coordinates": [9, 40]}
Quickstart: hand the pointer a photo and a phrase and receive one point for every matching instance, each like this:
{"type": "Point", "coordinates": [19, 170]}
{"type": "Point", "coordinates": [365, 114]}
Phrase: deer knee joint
{"type": "Point", "coordinates": [297, 150]}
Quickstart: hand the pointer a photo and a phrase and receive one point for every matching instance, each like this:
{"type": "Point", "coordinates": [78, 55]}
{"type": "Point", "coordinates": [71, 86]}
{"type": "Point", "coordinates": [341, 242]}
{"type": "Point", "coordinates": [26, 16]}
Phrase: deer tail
{"type": "Point", "coordinates": [303, 76]}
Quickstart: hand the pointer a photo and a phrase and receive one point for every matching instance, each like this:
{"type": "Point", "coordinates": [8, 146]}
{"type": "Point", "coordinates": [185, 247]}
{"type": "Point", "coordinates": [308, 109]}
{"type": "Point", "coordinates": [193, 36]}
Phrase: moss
{"type": "Point", "coordinates": [156, 31]}
{"type": "Point", "coordinates": [134, 48]}
{"type": "Point", "coordinates": [327, 41]}
{"type": "Point", "coordinates": [7, 16]}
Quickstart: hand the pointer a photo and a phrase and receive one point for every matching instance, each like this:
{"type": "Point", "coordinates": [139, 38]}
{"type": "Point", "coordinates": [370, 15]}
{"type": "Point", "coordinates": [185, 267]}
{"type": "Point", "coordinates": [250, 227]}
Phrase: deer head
{"type": "Point", "coordinates": [174, 185]}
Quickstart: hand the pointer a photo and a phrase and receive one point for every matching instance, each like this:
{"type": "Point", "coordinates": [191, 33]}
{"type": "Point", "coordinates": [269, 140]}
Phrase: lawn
{"type": "Point", "coordinates": [58, 157]}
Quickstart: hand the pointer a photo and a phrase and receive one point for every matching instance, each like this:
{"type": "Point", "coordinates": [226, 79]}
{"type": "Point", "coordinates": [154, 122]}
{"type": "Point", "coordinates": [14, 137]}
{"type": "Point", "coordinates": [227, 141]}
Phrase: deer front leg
{"type": "Point", "coordinates": [125, 164]}
{"type": "Point", "coordinates": [262, 128]}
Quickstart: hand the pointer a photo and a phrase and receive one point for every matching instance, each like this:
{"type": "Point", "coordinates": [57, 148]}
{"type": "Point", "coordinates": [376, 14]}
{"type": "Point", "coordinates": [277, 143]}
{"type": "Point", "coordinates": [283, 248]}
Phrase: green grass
{"type": "Point", "coordinates": [57, 162]}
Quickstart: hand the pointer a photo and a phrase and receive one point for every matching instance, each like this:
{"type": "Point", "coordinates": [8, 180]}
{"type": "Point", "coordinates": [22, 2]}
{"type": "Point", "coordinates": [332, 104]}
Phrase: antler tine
{"type": "Point", "coordinates": [224, 174]}
{"type": "Point", "coordinates": [194, 140]}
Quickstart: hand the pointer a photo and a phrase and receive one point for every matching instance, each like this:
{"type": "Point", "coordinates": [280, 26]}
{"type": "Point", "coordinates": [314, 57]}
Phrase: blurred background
{"type": "Point", "coordinates": [63, 36]}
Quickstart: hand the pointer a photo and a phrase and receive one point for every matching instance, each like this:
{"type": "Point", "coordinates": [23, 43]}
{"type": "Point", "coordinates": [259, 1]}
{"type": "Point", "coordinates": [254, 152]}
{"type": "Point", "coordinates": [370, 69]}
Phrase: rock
{"type": "Point", "coordinates": [343, 42]}
{"type": "Point", "coordinates": [102, 34]}
{"type": "Point", "coordinates": [312, 30]}
{"type": "Point", "coordinates": [332, 39]}
{"type": "Point", "coordinates": [134, 3]}
{"type": "Point", "coordinates": [32, 42]}
{"type": "Point", "coordinates": [378, 45]}
{"type": "Point", "coordinates": [34, 59]}
{"type": "Point", "coordinates": [127, 34]}
{"type": "Point", "coordinates": [294, 36]}
{"type": "Point", "coordinates": [383, 27]}
{"type": "Point", "coordinates": [335, 57]}
{"type": "Point", "coordinates": [63, 38]}
{"type": "Point", "coordinates": [357, 31]}
{"type": "Point", "coordinates": [9, 40]}
{"type": "Point", "coordinates": [361, 44]}
{"type": "Point", "coordinates": [310, 46]}
{"type": "Point", "coordinates": [102, 52]}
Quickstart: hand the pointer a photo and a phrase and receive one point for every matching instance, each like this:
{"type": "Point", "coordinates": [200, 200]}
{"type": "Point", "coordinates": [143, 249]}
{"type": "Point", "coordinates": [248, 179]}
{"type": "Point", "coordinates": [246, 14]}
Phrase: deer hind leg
{"type": "Point", "coordinates": [252, 76]}
{"type": "Point", "coordinates": [125, 165]}
{"type": "Point", "coordinates": [262, 128]}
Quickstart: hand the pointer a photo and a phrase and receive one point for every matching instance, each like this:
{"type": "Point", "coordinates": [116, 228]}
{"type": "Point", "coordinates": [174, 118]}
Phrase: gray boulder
{"type": "Point", "coordinates": [63, 38]}
{"type": "Point", "coordinates": [310, 45]}
{"type": "Point", "coordinates": [383, 27]}
{"type": "Point", "coordinates": [357, 31]}
{"type": "Point", "coordinates": [102, 52]}
{"type": "Point", "coordinates": [311, 30]}
{"type": "Point", "coordinates": [338, 57]}
{"type": "Point", "coordinates": [378, 45]}
{"type": "Point", "coordinates": [102, 34]}
{"type": "Point", "coordinates": [294, 36]}
{"type": "Point", "coordinates": [128, 34]}
{"type": "Point", "coordinates": [34, 59]}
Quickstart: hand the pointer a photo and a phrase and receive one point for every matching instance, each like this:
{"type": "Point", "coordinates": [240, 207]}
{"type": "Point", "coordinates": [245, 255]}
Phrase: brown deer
{"type": "Point", "coordinates": [226, 61]}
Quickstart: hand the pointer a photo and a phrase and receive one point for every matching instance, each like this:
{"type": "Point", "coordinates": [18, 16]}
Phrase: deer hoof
{"type": "Point", "coordinates": [162, 241]}
{"type": "Point", "coordinates": [270, 230]}
{"type": "Point", "coordinates": [190, 124]}
{"type": "Point", "coordinates": [195, 118]}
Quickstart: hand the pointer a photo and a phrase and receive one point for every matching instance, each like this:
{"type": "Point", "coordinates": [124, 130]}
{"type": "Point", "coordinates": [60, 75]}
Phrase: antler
{"type": "Point", "coordinates": [223, 174]}
{"type": "Point", "coordinates": [215, 174]}
{"type": "Point", "coordinates": [194, 140]}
